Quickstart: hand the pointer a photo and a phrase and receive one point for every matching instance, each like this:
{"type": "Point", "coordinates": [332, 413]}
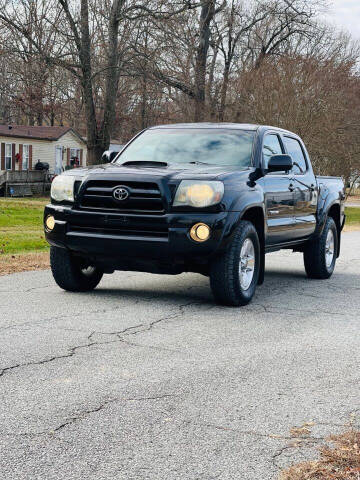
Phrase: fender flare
{"type": "Point", "coordinates": [322, 212]}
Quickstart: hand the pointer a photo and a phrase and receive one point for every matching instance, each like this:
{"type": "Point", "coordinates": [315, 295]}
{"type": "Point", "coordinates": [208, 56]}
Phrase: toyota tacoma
{"type": "Point", "coordinates": [206, 198]}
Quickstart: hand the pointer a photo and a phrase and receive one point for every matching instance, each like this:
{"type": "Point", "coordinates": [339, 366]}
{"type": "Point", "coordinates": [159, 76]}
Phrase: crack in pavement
{"type": "Point", "coordinates": [293, 441]}
{"type": "Point", "coordinates": [308, 441]}
{"type": "Point", "coordinates": [305, 441]}
{"type": "Point", "coordinates": [29, 289]}
{"type": "Point", "coordinates": [70, 353]}
{"type": "Point", "coordinates": [254, 433]}
{"type": "Point", "coordinates": [301, 311]}
{"type": "Point", "coordinates": [64, 317]}
{"type": "Point", "coordinates": [80, 314]}
{"type": "Point", "coordinates": [140, 328]}
{"type": "Point", "coordinates": [298, 443]}
{"type": "Point", "coordinates": [85, 413]}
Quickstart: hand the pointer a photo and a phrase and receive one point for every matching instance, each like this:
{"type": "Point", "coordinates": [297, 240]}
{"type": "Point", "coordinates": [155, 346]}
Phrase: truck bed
{"type": "Point", "coordinates": [330, 182]}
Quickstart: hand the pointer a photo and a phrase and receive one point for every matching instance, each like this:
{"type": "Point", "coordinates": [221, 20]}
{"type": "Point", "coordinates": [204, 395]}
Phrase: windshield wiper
{"type": "Point", "coordinates": [196, 162]}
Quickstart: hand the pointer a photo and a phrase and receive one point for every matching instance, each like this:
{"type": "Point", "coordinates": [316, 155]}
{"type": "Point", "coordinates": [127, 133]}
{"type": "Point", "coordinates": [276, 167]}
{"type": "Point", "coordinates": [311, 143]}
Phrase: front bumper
{"type": "Point", "coordinates": [116, 236]}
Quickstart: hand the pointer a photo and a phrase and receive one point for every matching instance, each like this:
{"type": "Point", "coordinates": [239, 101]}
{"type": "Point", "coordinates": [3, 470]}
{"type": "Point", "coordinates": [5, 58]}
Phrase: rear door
{"type": "Point", "coordinates": [305, 192]}
{"type": "Point", "coordinates": [279, 196]}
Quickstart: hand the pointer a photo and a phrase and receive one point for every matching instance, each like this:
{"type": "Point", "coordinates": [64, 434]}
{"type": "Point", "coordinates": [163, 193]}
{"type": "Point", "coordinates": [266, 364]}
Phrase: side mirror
{"type": "Point", "coordinates": [280, 163]}
{"type": "Point", "coordinates": [108, 156]}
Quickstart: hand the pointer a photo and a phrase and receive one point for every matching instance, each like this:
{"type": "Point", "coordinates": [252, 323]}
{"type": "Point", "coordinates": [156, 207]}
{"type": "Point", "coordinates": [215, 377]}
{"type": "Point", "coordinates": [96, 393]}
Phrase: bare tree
{"type": "Point", "coordinates": [27, 69]}
{"type": "Point", "coordinates": [230, 30]}
{"type": "Point", "coordinates": [285, 19]}
{"type": "Point", "coordinates": [197, 44]}
{"type": "Point", "coordinates": [81, 65]}
{"type": "Point", "coordinates": [207, 14]}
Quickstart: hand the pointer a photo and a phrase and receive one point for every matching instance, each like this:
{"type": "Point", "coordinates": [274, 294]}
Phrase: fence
{"type": "Point", "coordinates": [32, 182]}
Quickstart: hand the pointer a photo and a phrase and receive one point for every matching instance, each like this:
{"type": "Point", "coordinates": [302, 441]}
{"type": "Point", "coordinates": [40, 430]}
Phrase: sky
{"type": "Point", "coordinates": [346, 15]}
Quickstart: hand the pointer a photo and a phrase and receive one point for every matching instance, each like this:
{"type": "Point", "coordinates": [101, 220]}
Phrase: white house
{"type": "Point", "coordinates": [22, 146]}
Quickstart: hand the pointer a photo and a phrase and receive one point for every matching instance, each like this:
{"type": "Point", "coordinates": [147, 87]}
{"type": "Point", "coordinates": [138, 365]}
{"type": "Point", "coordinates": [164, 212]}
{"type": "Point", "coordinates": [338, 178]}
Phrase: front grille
{"type": "Point", "coordinates": [144, 197]}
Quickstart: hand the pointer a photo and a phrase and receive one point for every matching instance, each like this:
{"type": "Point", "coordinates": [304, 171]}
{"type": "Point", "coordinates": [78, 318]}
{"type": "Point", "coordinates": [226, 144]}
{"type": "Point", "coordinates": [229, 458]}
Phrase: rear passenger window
{"type": "Point", "coordinates": [272, 146]}
{"type": "Point", "coordinates": [294, 149]}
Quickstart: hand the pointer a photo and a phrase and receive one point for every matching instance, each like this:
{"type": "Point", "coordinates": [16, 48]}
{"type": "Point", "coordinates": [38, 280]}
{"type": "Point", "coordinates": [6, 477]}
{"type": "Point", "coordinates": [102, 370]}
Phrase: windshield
{"type": "Point", "coordinates": [209, 146]}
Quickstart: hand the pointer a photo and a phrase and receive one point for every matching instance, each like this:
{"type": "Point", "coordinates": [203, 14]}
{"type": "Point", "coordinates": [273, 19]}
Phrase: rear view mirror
{"type": "Point", "coordinates": [280, 163]}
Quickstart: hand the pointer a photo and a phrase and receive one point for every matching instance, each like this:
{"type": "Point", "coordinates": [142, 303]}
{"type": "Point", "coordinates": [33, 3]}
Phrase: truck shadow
{"type": "Point", "coordinates": [193, 288]}
{"type": "Point", "coordinates": [170, 295]}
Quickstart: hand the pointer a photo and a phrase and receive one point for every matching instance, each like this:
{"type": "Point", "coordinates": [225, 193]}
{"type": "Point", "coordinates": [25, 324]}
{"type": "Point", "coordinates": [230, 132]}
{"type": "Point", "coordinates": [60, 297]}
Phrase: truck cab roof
{"type": "Point", "coordinates": [217, 125]}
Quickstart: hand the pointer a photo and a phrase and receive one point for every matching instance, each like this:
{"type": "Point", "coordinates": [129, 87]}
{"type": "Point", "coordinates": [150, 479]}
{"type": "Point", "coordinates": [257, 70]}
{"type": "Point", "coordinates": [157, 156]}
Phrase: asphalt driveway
{"type": "Point", "coordinates": [145, 378]}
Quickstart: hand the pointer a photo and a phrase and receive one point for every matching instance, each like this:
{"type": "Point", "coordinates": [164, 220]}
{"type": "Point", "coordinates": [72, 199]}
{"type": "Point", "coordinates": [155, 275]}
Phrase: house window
{"type": "Point", "coordinates": [8, 156]}
{"type": "Point", "coordinates": [74, 157]}
{"type": "Point", "coordinates": [26, 155]}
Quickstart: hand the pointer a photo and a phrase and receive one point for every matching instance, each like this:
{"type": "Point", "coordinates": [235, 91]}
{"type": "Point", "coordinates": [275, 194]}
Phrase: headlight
{"type": "Point", "coordinates": [62, 188]}
{"type": "Point", "coordinates": [198, 193]}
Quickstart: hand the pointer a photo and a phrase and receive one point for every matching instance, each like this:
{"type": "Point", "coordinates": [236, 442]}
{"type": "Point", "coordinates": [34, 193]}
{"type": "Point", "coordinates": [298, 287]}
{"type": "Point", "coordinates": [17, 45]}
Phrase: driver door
{"type": "Point", "coordinates": [279, 196]}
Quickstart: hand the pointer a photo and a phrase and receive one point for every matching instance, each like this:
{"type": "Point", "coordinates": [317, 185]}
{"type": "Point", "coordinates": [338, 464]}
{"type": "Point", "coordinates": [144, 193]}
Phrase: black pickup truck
{"type": "Point", "coordinates": [207, 198]}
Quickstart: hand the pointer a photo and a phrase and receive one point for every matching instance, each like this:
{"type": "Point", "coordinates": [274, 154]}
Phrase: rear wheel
{"type": "Point", "coordinates": [234, 275]}
{"type": "Point", "coordinates": [73, 273]}
{"type": "Point", "coordinates": [320, 255]}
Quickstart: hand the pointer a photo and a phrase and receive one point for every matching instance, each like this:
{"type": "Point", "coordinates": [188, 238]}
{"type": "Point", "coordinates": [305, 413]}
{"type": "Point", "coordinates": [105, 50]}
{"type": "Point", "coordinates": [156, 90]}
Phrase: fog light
{"type": "Point", "coordinates": [50, 223]}
{"type": "Point", "coordinates": [200, 232]}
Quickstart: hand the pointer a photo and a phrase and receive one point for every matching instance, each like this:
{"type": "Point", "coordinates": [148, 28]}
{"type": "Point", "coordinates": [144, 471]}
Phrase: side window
{"type": "Point", "coordinates": [271, 146]}
{"type": "Point", "coordinates": [294, 149]}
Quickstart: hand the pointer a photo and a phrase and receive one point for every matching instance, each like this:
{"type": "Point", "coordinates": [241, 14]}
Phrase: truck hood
{"type": "Point", "coordinates": [171, 172]}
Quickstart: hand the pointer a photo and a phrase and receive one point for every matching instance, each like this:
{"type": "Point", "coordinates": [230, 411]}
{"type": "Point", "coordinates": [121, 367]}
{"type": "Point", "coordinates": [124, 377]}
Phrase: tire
{"type": "Point", "coordinates": [317, 253]}
{"type": "Point", "coordinates": [71, 273]}
{"type": "Point", "coordinates": [226, 285]}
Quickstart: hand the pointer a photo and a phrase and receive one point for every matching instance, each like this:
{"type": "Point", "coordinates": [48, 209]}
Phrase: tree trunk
{"type": "Point", "coordinates": [223, 93]}
{"type": "Point", "coordinates": [206, 16]}
{"type": "Point", "coordinates": [112, 77]}
{"type": "Point", "coordinates": [52, 116]}
{"type": "Point", "coordinates": [86, 82]}
{"type": "Point", "coordinates": [31, 118]}
{"type": "Point", "coordinates": [94, 154]}
{"type": "Point", "coordinates": [40, 117]}
{"type": "Point", "coordinates": [211, 96]}
{"type": "Point", "coordinates": [261, 57]}
{"type": "Point", "coordinates": [351, 184]}
{"type": "Point", "coordinates": [144, 84]}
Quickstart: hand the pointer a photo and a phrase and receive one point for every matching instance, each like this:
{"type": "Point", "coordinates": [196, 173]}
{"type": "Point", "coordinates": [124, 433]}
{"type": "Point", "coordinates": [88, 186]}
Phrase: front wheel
{"type": "Point", "coordinates": [234, 275]}
{"type": "Point", "coordinates": [73, 273]}
{"type": "Point", "coordinates": [320, 254]}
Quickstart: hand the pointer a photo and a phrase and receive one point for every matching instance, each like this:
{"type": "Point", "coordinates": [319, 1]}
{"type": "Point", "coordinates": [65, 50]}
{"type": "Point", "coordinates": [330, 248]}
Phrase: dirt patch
{"type": "Point", "coordinates": [339, 460]}
{"type": "Point", "coordinates": [353, 200]}
{"type": "Point", "coordinates": [23, 262]}
{"type": "Point", "coordinates": [351, 228]}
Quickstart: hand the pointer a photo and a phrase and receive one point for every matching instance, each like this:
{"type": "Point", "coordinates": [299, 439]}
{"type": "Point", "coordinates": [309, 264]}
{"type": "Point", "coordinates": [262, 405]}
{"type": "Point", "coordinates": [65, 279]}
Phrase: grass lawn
{"type": "Point", "coordinates": [21, 225]}
{"type": "Point", "coordinates": [352, 217]}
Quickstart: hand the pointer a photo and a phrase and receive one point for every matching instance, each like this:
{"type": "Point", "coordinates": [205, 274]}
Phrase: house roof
{"type": "Point", "coordinates": [35, 132]}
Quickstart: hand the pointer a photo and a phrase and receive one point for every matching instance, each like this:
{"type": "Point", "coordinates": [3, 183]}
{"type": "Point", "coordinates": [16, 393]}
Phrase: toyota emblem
{"type": "Point", "coordinates": [120, 193]}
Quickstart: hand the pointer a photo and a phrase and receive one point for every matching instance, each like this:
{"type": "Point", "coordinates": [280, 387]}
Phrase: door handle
{"type": "Point", "coordinates": [291, 187]}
